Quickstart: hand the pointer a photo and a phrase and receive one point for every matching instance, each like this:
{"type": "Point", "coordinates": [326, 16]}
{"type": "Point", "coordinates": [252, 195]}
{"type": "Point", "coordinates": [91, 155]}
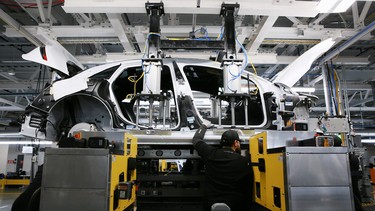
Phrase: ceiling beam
{"type": "Point", "coordinates": [11, 103]}
{"type": "Point", "coordinates": [362, 102]}
{"type": "Point", "coordinates": [180, 31]}
{"type": "Point", "coordinates": [20, 29]}
{"type": "Point", "coordinates": [259, 58]}
{"type": "Point", "coordinates": [319, 19]}
{"type": "Point", "coordinates": [355, 15]}
{"type": "Point", "coordinates": [365, 9]}
{"type": "Point", "coordinates": [121, 30]}
{"type": "Point", "coordinates": [27, 11]}
{"type": "Point", "coordinates": [13, 86]}
{"type": "Point", "coordinates": [257, 38]}
{"type": "Point", "coordinates": [9, 77]}
{"type": "Point", "coordinates": [247, 7]}
{"type": "Point", "coordinates": [295, 20]}
{"type": "Point", "coordinates": [41, 10]}
{"type": "Point", "coordinates": [11, 108]}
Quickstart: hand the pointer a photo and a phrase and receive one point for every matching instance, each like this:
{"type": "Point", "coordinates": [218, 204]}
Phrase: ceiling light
{"type": "Point", "coordinates": [26, 142]}
{"type": "Point", "coordinates": [303, 89]}
{"type": "Point", "coordinates": [343, 6]}
{"type": "Point", "coordinates": [368, 141]}
{"type": "Point", "coordinates": [325, 6]}
{"type": "Point", "coordinates": [11, 72]}
{"type": "Point", "coordinates": [334, 6]}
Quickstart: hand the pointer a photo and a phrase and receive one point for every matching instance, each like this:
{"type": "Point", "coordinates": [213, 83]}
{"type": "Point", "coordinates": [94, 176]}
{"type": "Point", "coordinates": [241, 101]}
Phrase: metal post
{"type": "Point", "coordinates": [326, 93]}
{"type": "Point", "coordinates": [137, 114]}
{"type": "Point", "coordinates": [219, 118]}
{"type": "Point", "coordinates": [214, 108]}
{"type": "Point", "coordinates": [164, 110]}
{"type": "Point", "coordinates": [229, 11]}
{"type": "Point", "coordinates": [246, 117]}
{"type": "Point", "coordinates": [232, 99]}
{"type": "Point", "coordinates": [154, 11]}
{"type": "Point", "coordinates": [150, 110]}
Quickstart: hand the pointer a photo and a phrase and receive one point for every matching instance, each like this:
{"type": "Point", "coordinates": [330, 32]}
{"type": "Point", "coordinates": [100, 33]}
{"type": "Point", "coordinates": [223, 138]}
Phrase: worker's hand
{"type": "Point", "coordinates": [207, 123]}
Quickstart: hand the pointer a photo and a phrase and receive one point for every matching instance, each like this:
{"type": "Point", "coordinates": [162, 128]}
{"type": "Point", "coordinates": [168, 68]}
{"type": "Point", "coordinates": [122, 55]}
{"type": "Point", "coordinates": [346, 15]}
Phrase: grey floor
{"type": "Point", "coordinates": [7, 197]}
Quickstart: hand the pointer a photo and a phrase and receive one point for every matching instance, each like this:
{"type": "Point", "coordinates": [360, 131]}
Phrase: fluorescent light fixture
{"type": "Point", "coordinates": [303, 89]}
{"type": "Point", "coordinates": [368, 141]}
{"type": "Point", "coordinates": [11, 72]}
{"type": "Point", "coordinates": [325, 6]}
{"type": "Point", "coordinates": [334, 6]}
{"type": "Point", "coordinates": [27, 150]}
{"type": "Point", "coordinates": [26, 142]}
{"type": "Point", "coordinates": [343, 6]}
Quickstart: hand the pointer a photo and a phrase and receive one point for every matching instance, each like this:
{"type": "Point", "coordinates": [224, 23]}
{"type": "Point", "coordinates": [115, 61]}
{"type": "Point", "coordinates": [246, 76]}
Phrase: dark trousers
{"type": "Point", "coordinates": [22, 203]}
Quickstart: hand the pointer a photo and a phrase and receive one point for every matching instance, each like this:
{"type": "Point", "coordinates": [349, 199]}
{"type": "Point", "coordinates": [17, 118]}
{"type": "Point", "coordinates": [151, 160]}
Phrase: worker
{"type": "Point", "coordinates": [228, 175]}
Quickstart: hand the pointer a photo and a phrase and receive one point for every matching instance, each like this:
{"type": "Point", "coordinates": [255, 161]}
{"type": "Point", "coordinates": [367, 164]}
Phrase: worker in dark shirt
{"type": "Point", "coordinates": [228, 176]}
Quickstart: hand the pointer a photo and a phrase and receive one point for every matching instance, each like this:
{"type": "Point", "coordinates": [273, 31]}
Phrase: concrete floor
{"type": "Point", "coordinates": [8, 195]}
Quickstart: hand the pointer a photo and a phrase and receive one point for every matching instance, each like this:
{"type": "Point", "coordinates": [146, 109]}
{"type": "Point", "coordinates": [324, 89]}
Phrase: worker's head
{"type": "Point", "coordinates": [231, 139]}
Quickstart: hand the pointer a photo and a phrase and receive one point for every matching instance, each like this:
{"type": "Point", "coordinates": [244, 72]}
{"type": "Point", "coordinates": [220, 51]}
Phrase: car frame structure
{"type": "Point", "coordinates": [173, 94]}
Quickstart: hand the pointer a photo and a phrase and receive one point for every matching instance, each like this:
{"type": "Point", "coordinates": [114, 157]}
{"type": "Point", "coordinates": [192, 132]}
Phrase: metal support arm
{"type": "Point", "coordinates": [154, 11]}
{"type": "Point", "coordinates": [229, 11]}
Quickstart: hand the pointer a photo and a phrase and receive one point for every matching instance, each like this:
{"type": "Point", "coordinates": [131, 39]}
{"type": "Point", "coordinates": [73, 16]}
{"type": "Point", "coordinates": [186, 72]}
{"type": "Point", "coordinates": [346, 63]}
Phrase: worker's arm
{"type": "Point", "coordinates": [199, 134]}
{"type": "Point", "coordinates": [202, 148]}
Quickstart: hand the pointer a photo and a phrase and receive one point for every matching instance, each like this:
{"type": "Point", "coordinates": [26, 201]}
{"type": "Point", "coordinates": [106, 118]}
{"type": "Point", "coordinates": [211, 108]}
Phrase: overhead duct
{"type": "Point", "coordinates": [347, 43]}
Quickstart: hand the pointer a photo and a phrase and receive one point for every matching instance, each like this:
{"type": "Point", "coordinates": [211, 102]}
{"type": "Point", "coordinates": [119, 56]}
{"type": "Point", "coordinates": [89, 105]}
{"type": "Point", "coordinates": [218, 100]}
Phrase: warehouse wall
{"type": "Point", "coordinates": [13, 152]}
{"type": "Point", "coordinates": [3, 158]}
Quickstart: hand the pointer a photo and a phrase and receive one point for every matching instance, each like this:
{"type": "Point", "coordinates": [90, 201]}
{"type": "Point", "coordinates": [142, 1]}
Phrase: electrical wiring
{"type": "Point", "coordinates": [247, 61]}
{"type": "Point", "coordinates": [206, 37]}
{"type": "Point", "coordinates": [220, 36]}
{"type": "Point", "coordinates": [334, 89]}
{"type": "Point", "coordinates": [235, 76]}
{"type": "Point", "coordinates": [132, 79]}
{"type": "Point", "coordinates": [333, 85]}
{"type": "Point", "coordinates": [337, 77]}
{"type": "Point", "coordinates": [329, 88]}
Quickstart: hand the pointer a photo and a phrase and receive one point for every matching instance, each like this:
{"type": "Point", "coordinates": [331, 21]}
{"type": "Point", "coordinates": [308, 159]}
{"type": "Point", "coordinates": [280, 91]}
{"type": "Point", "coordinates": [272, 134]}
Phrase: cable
{"type": "Point", "coordinates": [54, 127]}
{"type": "Point", "coordinates": [131, 79]}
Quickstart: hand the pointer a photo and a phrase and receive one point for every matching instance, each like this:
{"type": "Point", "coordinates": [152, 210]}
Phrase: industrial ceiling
{"type": "Point", "coordinates": [274, 33]}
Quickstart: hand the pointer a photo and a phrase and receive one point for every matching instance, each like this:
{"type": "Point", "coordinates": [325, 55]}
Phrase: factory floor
{"type": "Point", "coordinates": [8, 195]}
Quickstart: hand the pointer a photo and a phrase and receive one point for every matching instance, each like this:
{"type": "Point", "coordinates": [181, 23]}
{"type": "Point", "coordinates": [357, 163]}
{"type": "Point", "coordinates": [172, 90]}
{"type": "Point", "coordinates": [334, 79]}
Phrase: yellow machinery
{"type": "Point", "coordinates": [268, 179]}
{"type": "Point", "coordinates": [4, 182]}
{"type": "Point", "coordinates": [291, 176]}
{"type": "Point", "coordinates": [100, 176]}
{"type": "Point", "coordinates": [120, 190]}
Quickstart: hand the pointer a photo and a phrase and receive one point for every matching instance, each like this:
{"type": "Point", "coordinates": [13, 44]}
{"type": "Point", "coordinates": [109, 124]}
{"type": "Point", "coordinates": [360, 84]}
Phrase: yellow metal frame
{"type": "Point", "coordinates": [119, 166]}
{"type": "Point", "coordinates": [273, 175]}
{"type": "Point", "coordinates": [4, 182]}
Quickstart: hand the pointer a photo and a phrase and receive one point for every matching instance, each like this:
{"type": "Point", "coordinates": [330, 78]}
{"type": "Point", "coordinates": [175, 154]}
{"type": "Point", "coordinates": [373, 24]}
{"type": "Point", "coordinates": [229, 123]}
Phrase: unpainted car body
{"type": "Point", "coordinates": [104, 98]}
